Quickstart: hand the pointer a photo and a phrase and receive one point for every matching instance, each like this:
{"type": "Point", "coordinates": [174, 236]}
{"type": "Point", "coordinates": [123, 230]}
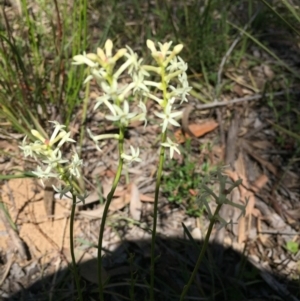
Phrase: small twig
{"type": "Point", "coordinates": [276, 232]}
{"type": "Point", "coordinates": [217, 103]}
{"type": "Point", "coordinates": [7, 269]}
{"type": "Point", "coordinates": [190, 108]}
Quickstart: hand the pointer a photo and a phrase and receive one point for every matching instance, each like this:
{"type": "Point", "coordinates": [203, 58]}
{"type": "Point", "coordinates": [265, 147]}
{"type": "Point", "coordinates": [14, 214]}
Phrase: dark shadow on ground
{"type": "Point", "coordinates": [224, 275]}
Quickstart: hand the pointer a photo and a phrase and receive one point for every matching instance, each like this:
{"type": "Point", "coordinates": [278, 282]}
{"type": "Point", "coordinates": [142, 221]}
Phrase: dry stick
{"type": "Point", "coordinates": [7, 269]}
{"type": "Point", "coordinates": [190, 108]}
{"type": "Point", "coordinates": [238, 100]}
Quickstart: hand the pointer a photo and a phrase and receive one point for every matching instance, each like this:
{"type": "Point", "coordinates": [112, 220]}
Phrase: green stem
{"type": "Point", "coordinates": [105, 212]}
{"type": "Point", "coordinates": [83, 117]}
{"type": "Point", "coordinates": [202, 253]}
{"type": "Point", "coordinates": [75, 270]}
{"type": "Point", "coordinates": [157, 186]}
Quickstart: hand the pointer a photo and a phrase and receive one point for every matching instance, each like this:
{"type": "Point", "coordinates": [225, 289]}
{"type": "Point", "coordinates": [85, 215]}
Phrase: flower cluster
{"type": "Point", "coordinates": [102, 68]}
{"type": "Point", "coordinates": [49, 152]}
{"type": "Point", "coordinates": [171, 68]}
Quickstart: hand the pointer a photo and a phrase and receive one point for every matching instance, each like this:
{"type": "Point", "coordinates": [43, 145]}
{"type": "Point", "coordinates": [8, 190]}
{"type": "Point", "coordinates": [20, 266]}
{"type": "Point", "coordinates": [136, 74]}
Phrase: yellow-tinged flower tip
{"type": "Point", "coordinates": [178, 48]}
{"type": "Point", "coordinates": [151, 45]}
{"type": "Point", "coordinates": [101, 54]}
{"type": "Point", "coordinates": [92, 56]}
{"type": "Point", "coordinates": [120, 53]}
{"type": "Point", "coordinates": [83, 59]}
{"type": "Point", "coordinates": [36, 134]}
{"type": "Point", "coordinates": [108, 47]}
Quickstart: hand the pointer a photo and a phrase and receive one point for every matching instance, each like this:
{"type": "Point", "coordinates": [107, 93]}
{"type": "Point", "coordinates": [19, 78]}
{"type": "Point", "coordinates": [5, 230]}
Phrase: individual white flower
{"type": "Point", "coordinates": [137, 86]}
{"type": "Point", "coordinates": [172, 145]}
{"type": "Point", "coordinates": [168, 116]}
{"type": "Point", "coordinates": [112, 89]}
{"type": "Point", "coordinates": [83, 59]}
{"type": "Point", "coordinates": [133, 157]}
{"type": "Point", "coordinates": [181, 92]}
{"type": "Point", "coordinates": [105, 99]}
{"type": "Point", "coordinates": [74, 166]}
{"type": "Point", "coordinates": [44, 174]}
{"type": "Point", "coordinates": [27, 149]}
{"type": "Point", "coordinates": [65, 137]}
{"type": "Point", "coordinates": [101, 137]}
{"type": "Point", "coordinates": [105, 57]}
{"type": "Point", "coordinates": [55, 158]}
{"type": "Point", "coordinates": [58, 135]}
{"type": "Point", "coordinates": [121, 69]}
{"type": "Point", "coordinates": [99, 75]}
{"type": "Point", "coordinates": [122, 115]}
{"type": "Point", "coordinates": [94, 138]}
{"type": "Point", "coordinates": [135, 66]}
{"type": "Point", "coordinates": [185, 89]}
{"type": "Point", "coordinates": [143, 116]}
{"type": "Point", "coordinates": [177, 63]}
{"type": "Point", "coordinates": [139, 83]}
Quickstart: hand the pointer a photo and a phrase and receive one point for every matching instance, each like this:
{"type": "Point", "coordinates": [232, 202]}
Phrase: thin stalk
{"type": "Point", "coordinates": [157, 186]}
{"type": "Point", "coordinates": [105, 212]}
{"type": "Point", "coordinates": [202, 253]}
{"type": "Point", "coordinates": [83, 118]}
{"type": "Point", "coordinates": [75, 270]}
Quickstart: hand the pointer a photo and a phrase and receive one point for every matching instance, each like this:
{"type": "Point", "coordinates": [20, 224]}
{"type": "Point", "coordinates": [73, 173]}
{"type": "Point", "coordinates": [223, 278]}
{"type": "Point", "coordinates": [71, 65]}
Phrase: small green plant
{"type": "Point", "coordinates": [292, 246]}
{"type": "Point", "coordinates": [180, 185]}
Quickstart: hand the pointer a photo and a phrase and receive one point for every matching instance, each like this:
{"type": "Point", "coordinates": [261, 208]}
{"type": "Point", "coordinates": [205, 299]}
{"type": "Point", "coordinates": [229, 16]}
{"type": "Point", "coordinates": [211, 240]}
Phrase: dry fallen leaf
{"type": "Point", "coordinates": [106, 187]}
{"type": "Point", "coordinates": [198, 130]}
{"type": "Point", "coordinates": [119, 203]}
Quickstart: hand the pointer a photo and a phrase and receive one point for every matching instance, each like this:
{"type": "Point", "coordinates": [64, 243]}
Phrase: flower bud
{"type": "Point", "coordinates": [178, 48]}
{"type": "Point", "coordinates": [36, 134]}
{"type": "Point", "coordinates": [151, 46]}
{"type": "Point", "coordinates": [108, 48]}
{"type": "Point", "coordinates": [119, 54]}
